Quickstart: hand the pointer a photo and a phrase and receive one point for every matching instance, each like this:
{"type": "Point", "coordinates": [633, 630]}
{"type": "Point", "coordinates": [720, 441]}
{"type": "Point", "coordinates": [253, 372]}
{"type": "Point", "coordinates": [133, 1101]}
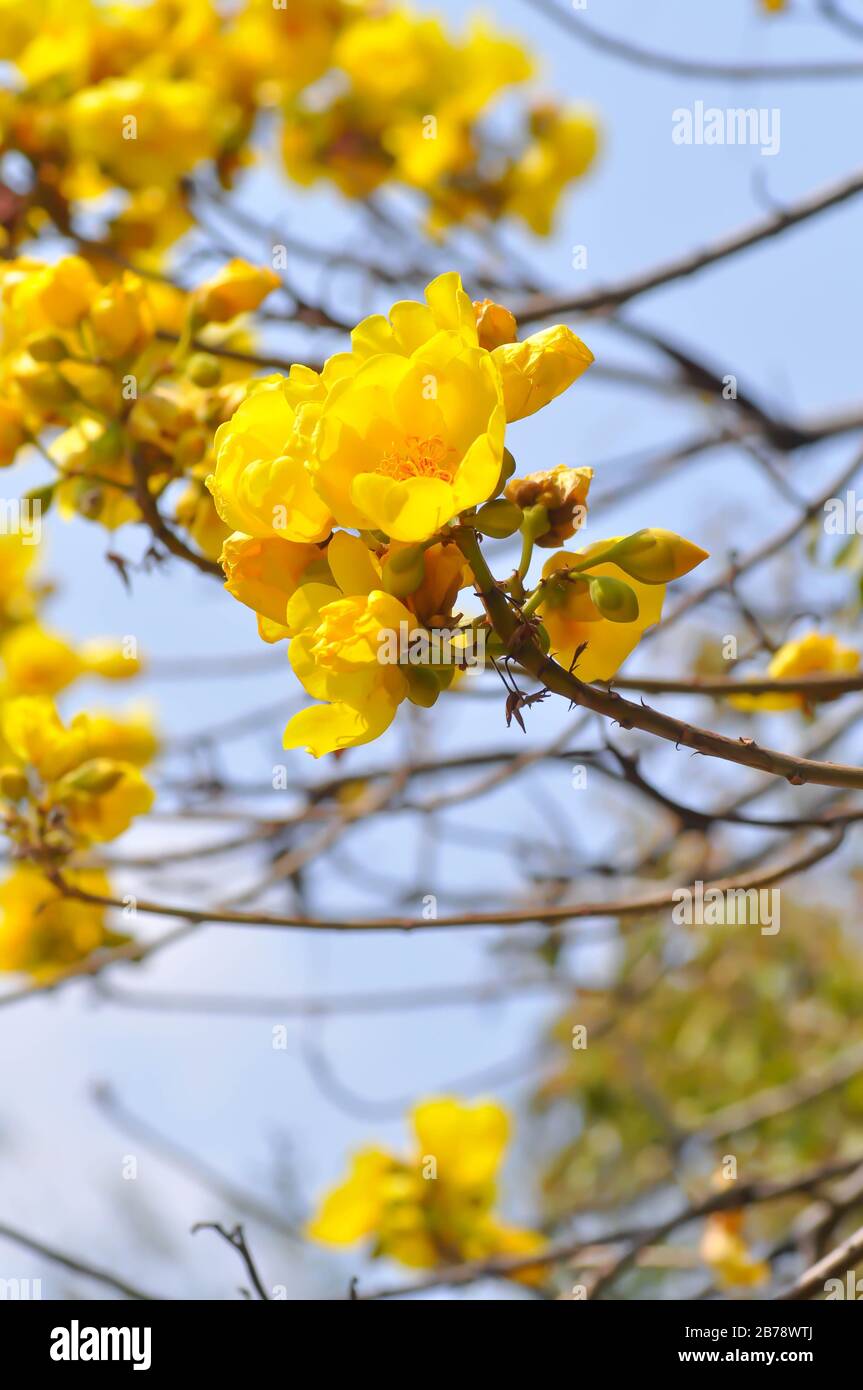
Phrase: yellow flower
{"type": "Point", "coordinates": [537, 370]}
{"type": "Point", "coordinates": [335, 656]}
{"type": "Point", "coordinates": [411, 324]}
{"type": "Point", "coordinates": [33, 731]}
{"type": "Point", "coordinates": [260, 484]}
{"type": "Point", "coordinates": [563, 147]}
{"type": "Point", "coordinates": [264, 573]}
{"type": "Point", "coordinates": [98, 796]}
{"type": "Point", "coordinates": [434, 1207]}
{"type": "Point", "coordinates": [48, 297]}
{"type": "Point", "coordinates": [121, 319]}
{"type": "Point", "coordinates": [36, 662]}
{"type": "Point", "coordinates": [408, 442]}
{"type": "Point", "coordinates": [571, 618]}
{"type": "Point", "coordinates": [42, 931]}
{"type": "Point", "coordinates": [102, 656]}
{"type": "Point", "coordinates": [238, 288]}
{"type": "Point", "coordinates": [724, 1249]}
{"type": "Point", "coordinates": [811, 655]}
{"type": "Point", "coordinates": [125, 738]}
{"type": "Point", "coordinates": [101, 798]}
{"type": "Point", "coordinates": [533, 372]}
{"type": "Point", "coordinates": [144, 133]}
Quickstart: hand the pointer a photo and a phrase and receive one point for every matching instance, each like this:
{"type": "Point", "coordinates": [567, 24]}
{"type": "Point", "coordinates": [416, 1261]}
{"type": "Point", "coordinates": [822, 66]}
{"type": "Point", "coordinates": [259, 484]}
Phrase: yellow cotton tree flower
{"type": "Point", "coordinates": [437, 1205]}
{"type": "Point", "coordinates": [813, 654]}
{"type": "Point", "coordinates": [129, 737]}
{"type": "Point", "coordinates": [36, 662]}
{"type": "Point", "coordinates": [265, 572]}
{"type": "Point", "coordinates": [725, 1251]}
{"type": "Point", "coordinates": [110, 659]}
{"type": "Point", "coordinates": [572, 619]}
{"type": "Point", "coordinates": [121, 319]}
{"type": "Point", "coordinates": [407, 443]}
{"type": "Point", "coordinates": [335, 655]}
{"type": "Point", "coordinates": [260, 484]}
{"type": "Point", "coordinates": [38, 297]}
{"type": "Point", "coordinates": [78, 797]}
{"type": "Point", "coordinates": [237, 288]}
{"type": "Point", "coordinates": [564, 145]}
{"type": "Point", "coordinates": [17, 598]}
{"type": "Point", "coordinates": [532, 372]}
{"type": "Point", "coordinates": [144, 133]}
{"type": "Point", "coordinates": [43, 931]}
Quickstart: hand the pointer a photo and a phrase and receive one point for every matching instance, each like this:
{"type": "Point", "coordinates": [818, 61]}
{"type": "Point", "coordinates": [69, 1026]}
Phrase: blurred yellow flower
{"type": "Point", "coordinates": [811, 655]}
{"type": "Point", "coordinates": [435, 1207]}
{"type": "Point", "coordinates": [236, 289]}
{"type": "Point", "coordinates": [724, 1249]}
{"type": "Point", "coordinates": [36, 662]}
{"type": "Point", "coordinates": [42, 931]}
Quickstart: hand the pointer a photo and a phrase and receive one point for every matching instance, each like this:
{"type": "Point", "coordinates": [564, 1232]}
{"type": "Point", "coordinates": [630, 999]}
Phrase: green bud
{"type": "Point", "coordinates": [614, 599]}
{"type": "Point", "coordinates": [423, 687]}
{"type": "Point", "coordinates": [404, 570]}
{"type": "Point", "coordinates": [203, 369]}
{"type": "Point", "coordinates": [96, 776]}
{"type": "Point", "coordinates": [499, 519]}
{"type": "Point", "coordinates": [47, 347]}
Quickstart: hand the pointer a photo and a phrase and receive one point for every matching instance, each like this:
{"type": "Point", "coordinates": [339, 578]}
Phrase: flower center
{"type": "Point", "coordinates": [418, 458]}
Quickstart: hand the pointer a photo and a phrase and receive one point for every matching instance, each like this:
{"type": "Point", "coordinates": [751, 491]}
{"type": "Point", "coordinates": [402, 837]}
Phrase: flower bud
{"type": "Point", "coordinates": [562, 492]}
{"type": "Point", "coordinates": [614, 599]}
{"type": "Point", "coordinates": [538, 369]}
{"type": "Point", "coordinates": [423, 686]}
{"type": "Point", "coordinates": [498, 519]}
{"type": "Point", "coordinates": [656, 556]}
{"type": "Point", "coordinates": [403, 570]}
{"type": "Point", "coordinates": [238, 288]}
{"type": "Point", "coordinates": [203, 369]}
{"type": "Point", "coordinates": [94, 777]}
{"type": "Point", "coordinates": [495, 325]}
{"type": "Point", "coordinates": [47, 347]}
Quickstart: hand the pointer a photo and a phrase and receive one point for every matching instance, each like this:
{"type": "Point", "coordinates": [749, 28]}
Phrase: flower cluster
{"type": "Point", "coordinates": [129, 99]}
{"type": "Point", "coordinates": [64, 788]}
{"type": "Point", "coordinates": [436, 1206]}
{"type": "Point", "coordinates": [106, 364]}
{"type": "Point", "coordinates": [350, 490]}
